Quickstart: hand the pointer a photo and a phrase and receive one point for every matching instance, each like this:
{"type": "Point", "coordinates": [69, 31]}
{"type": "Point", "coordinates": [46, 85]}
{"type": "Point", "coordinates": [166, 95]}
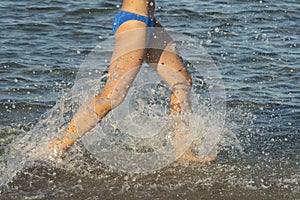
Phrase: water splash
{"type": "Point", "coordinates": [31, 147]}
{"type": "Point", "coordinates": [206, 123]}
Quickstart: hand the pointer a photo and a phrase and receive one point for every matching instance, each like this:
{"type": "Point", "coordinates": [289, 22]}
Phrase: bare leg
{"type": "Point", "coordinates": [125, 63]}
{"type": "Point", "coordinates": [164, 58]}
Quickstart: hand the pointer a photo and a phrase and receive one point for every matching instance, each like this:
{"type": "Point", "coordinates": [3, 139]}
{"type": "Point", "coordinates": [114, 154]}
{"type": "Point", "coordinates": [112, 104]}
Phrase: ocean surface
{"type": "Point", "coordinates": [255, 46]}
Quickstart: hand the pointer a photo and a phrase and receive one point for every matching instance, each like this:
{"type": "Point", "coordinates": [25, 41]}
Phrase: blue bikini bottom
{"type": "Point", "coordinates": [124, 16]}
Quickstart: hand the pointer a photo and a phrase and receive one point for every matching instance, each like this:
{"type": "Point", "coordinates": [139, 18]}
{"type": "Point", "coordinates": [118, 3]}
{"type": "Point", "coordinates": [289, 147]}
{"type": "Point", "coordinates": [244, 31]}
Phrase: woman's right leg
{"type": "Point", "coordinates": [165, 59]}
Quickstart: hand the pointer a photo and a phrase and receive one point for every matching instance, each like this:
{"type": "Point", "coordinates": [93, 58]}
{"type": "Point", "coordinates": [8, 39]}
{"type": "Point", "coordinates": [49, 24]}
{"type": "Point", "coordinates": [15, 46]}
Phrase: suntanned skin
{"type": "Point", "coordinates": [129, 54]}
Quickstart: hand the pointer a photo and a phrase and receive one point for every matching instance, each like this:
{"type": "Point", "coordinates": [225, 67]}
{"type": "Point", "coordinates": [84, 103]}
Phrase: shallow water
{"type": "Point", "coordinates": [254, 44]}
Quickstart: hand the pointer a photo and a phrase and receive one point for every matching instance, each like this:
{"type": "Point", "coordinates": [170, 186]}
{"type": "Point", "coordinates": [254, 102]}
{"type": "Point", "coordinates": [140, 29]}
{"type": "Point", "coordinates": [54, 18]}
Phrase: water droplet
{"type": "Point", "coordinates": [208, 42]}
{"type": "Point", "coordinates": [261, 108]}
{"type": "Point", "coordinates": [201, 43]}
{"type": "Point", "coordinates": [173, 47]}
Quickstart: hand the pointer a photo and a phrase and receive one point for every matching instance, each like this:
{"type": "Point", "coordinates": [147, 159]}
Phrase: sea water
{"type": "Point", "coordinates": [253, 44]}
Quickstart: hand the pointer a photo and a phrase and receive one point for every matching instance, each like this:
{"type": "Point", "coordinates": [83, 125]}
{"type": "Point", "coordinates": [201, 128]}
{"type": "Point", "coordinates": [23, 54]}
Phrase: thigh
{"type": "Point", "coordinates": [162, 56]}
{"type": "Point", "coordinates": [126, 60]}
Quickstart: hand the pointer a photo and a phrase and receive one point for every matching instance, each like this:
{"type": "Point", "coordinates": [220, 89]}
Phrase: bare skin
{"type": "Point", "coordinates": [129, 54]}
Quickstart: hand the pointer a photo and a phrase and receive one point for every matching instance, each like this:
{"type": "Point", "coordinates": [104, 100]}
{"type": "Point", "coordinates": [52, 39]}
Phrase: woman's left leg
{"type": "Point", "coordinates": [164, 58]}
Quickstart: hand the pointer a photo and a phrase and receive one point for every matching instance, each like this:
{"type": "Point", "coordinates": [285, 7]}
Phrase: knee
{"type": "Point", "coordinates": [104, 105]}
{"type": "Point", "coordinates": [184, 85]}
{"type": "Point", "coordinates": [181, 91]}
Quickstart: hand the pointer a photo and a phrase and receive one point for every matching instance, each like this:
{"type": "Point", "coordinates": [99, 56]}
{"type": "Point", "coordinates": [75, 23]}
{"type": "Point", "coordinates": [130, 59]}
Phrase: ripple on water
{"type": "Point", "coordinates": [254, 43]}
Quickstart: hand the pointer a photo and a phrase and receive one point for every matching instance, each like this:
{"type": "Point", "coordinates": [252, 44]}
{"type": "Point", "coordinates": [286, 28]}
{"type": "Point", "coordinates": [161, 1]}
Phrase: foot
{"type": "Point", "coordinates": [58, 146]}
{"type": "Point", "coordinates": [188, 156]}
